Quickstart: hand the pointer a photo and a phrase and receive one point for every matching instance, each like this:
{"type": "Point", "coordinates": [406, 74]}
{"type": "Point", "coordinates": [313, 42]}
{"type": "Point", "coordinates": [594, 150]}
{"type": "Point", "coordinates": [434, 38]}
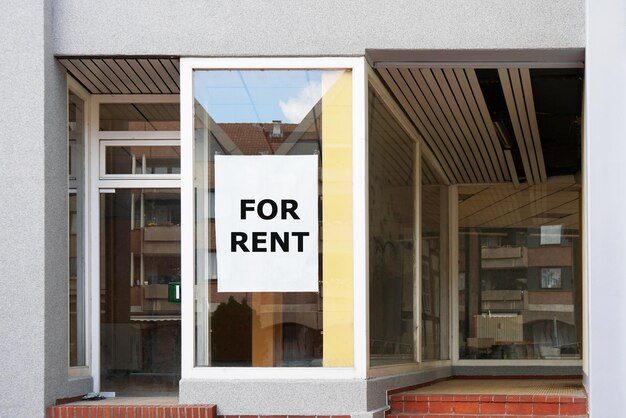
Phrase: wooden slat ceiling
{"type": "Point", "coordinates": [555, 202]}
{"type": "Point", "coordinates": [392, 152]}
{"type": "Point", "coordinates": [518, 93]}
{"type": "Point", "coordinates": [448, 108]}
{"type": "Point", "coordinates": [126, 75]}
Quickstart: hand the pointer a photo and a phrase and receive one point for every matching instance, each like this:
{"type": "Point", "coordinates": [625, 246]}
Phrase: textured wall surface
{"type": "Point", "coordinates": [324, 27]}
{"type": "Point", "coordinates": [284, 397]}
{"type": "Point", "coordinates": [33, 221]}
{"type": "Point", "coordinates": [22, 208]}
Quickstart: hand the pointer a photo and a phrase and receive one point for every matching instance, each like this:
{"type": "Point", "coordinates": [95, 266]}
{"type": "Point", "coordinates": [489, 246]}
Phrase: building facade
{"type": "Point", "coordinates": [296, 208]}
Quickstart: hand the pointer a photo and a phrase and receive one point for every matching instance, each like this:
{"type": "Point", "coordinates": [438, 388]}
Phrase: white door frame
{"type": "Point", "coordinates": [97, 183]}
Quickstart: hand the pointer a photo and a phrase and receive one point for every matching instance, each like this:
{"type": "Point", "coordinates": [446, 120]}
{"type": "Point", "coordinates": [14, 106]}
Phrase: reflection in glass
{"type": "Point", "coordinates": [77, 310]}
{"type": "Point", "coordinates": [434, 265]}
{"type": "Point", "coordinates": [147, 159]}
{"type": "Point", "coordinates": [139, 117]}
{"type": "Point", "coordinates": [519, 271]}
{"type": "Point", "coordinates": [392, 201]}
{"type": "Point", "coordinates": [257, 113]}
{"type": "Point", "coordinates": [140, 257]}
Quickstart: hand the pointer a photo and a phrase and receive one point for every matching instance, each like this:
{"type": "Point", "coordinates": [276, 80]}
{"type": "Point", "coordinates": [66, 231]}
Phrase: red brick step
{"type": "Point", "coordinates": [132, 411]}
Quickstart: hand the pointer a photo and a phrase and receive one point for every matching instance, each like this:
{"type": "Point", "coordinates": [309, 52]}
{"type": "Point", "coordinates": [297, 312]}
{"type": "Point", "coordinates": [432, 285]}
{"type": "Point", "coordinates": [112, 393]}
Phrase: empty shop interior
{"type": "Point", "coordinates": [471, 201]}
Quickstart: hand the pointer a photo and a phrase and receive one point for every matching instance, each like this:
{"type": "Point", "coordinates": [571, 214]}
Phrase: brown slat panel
{"type": "Point", "coordinates": [477, 116]}
{"type": "Point", "coordinates": [475, 142]}
{"type": "Point", "coordinates": [91, 76]}
{"type": "Point", "coordinates": [79, 76]}
{"type": "Point", "coordinates": [136, 66]}
{"type": "Point", "coordinates": [468, 115]}
{"type": "Point", "coordinates": [130, 73]}
{"type": "Point", "coordinates": [445, 165]}
{"type": "Point", "coordinates": [100, 75]}
{"type": "Point", "coordinates": [517, 129]}
{"type": "Point", "coordinates": [520, 106]}
{"type": "Point", "coordinates": [165, 76]}
{"type": "Point", "coordinates": [154, 76]}
{"type": "Point", "coordinates": [121, 75]}
{"type": "Point", "coordinates": [171, 70]}
{"type": "Point", "coordinates": [532, 116]}
{"type": "Point", "coordinates": [486, 116]}
{"type": "Point", "coordinates": [95, 70]}
{"type": "Point", "coordinates": [447, 108]}
{"type": "Point", "coordinates": [121, 86]}
{"type": "Point", "coordinates": [438, 137]}
{"type": "Point", "coordinates": [425, 97]}
{"type": "Point", "coordinates": [511, 164]}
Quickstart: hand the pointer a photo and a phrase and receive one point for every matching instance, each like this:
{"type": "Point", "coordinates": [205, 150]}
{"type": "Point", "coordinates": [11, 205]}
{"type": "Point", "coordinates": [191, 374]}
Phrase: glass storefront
{"type": "Point", "coordinates": [76, 223]}
{"type": "Point", "coordinates": [275, 113]}
{"type": "Point", "coordinates": [140, 262]}
{"type": "Point", "coordinates": [392, 238]}
{"type": "Point", "coordinates": [434, 269]}
{"type": "Point", "coordinates": [519, 271]}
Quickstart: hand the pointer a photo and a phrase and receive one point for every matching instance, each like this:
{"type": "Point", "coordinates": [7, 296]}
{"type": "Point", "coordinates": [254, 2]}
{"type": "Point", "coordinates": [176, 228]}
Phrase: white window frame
{"type": "Point", "coordinates": [375, 82]}
{"type": "Point", "coordinates": [83, 371]}
{"type": "Point", "coordinates": [95, 185]}
{"type": "Point", "coordinates": [359, 199]}
{"type": "Point", "coordinates": [168, 139]}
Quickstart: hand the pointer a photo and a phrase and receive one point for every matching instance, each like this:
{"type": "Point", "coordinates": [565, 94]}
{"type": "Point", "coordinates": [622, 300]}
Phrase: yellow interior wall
{"type": "Point", "coordinates": [337, 222]}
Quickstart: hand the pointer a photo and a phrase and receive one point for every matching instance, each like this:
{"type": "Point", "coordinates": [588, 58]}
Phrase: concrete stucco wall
{"type": "Point", "coordinates": [300, 27]}
{"type": "Point", "coordinates": [33, 221]}
{"type": "Point", "coordinates": [33, 191]}
{"type": "Point", "coordinates": [605, 126]}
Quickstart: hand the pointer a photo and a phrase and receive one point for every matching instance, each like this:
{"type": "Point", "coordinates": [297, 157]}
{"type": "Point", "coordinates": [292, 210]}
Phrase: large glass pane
{"type": "Point", "coordinates": [140, 322]}
{"type": "Point", "coordinates": [139, 117]}
{"type": "Point", "coordinates": [272, 113]}
{"type": "Point", "coordinates": [142, 159]}
{"type": "Point", "coordinates": [76, 132]}
{"type": "Point", "coordinates": [519, 270]}
{"type": "Point", "coordinates": [392, 200]}
{"type": "Point", "coordinates": [434, 259]}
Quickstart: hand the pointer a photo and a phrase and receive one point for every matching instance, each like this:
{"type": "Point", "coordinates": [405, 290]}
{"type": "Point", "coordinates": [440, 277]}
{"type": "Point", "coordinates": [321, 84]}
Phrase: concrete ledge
{"type": "Point", "coordinates": [277, 397]}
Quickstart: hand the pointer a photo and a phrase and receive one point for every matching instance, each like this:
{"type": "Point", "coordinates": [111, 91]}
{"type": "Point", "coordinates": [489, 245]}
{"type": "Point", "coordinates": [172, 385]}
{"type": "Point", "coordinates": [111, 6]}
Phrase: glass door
{"type": "Point", "coordinates": [139, 291]}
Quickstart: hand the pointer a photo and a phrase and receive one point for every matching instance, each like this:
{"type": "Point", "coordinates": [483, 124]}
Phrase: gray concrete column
{"type": "Point", "coordinates": [605, 122]}
{"type": "Point", "coordinates": [33, 214]}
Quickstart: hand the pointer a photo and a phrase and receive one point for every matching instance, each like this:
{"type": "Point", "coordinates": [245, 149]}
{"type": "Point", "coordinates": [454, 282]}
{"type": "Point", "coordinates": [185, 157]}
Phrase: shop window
{"type": "Point", "coordinates": [284, 113]}
{"type": "Point", "coordinates": [133, 158]}
{"type": "Point", "coordinates": [139, 117]}
{"type": "Point", "coordinates": [519, 271]}
{"type": "Point", "coordinates": [392, 238]}
{"type": "Point", "coordinates": [76, 263]}
{"type": "Point", "coordinates": [434, 268]}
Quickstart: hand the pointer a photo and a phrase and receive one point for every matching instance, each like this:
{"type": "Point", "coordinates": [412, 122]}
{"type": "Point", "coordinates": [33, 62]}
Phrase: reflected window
{"type": "Point", "coordinates": [252, 113]}
{"type": "Point", "coordinates": [519, 271]}
{"type": "Point", "coordinates": [142, 159]}
{"type": "Point", "coordinates": [392, 241]}
{"type": "Point", "coordinates": [139, 117]}
{"type": "Point", "coordinates": [434, 268]}
{"type": "Point", "coordinates": [140, 262]}
{"type": "Point", "coordinates": [77, 309]}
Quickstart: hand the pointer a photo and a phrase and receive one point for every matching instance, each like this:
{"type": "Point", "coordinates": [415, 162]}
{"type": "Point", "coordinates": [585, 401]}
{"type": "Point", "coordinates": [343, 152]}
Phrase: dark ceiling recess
{"type": "Point", "coordinates": [557, 98]}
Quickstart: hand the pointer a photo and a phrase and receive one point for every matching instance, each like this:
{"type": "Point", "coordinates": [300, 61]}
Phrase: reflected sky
{"type": "Point", "coordinates": [260, 96]}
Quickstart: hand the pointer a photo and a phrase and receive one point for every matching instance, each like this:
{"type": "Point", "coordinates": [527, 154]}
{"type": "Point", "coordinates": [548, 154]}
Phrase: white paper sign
{"type": "Point", "coordinates": [266, 223]}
